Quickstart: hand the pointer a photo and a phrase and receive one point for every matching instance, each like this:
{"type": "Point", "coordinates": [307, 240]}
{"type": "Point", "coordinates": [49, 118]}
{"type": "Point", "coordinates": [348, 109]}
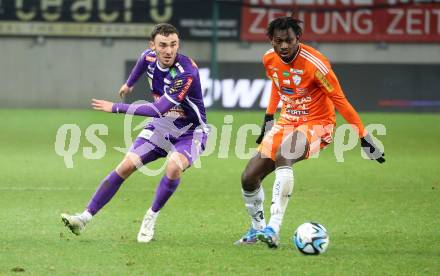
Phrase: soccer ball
{"type": "Point", "coordinates": [311, 238]}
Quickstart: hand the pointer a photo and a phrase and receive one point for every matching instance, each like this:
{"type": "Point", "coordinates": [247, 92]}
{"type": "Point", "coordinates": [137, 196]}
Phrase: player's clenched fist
{"type": "Point", "coordinates": [124, 90]}
{"type": "Point", "coordinates": [102, 105]}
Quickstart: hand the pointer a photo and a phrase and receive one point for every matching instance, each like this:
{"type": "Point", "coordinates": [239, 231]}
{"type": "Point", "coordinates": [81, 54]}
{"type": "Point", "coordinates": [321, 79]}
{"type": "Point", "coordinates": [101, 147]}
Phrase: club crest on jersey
{"type": "Point", "coordinates": [173, 72]}
{"type": "Point", "coordinates": [296, 80]}
{"type": "Point", "coordinates": [288, 90]}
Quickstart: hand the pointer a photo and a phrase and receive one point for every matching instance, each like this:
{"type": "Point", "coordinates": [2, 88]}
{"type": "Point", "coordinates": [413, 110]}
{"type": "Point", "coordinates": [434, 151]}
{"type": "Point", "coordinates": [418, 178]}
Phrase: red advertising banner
{"type": "Point", "coordinates": [348, 20]}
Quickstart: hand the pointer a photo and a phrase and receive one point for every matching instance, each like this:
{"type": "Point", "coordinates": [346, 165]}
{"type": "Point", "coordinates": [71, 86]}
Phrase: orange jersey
{"type": "Point", "coordinates": [308, 89]}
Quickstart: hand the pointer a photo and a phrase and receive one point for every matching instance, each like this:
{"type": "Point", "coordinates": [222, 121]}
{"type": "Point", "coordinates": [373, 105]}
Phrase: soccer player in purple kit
{"type": "Point", "coordinates": [178, 128]}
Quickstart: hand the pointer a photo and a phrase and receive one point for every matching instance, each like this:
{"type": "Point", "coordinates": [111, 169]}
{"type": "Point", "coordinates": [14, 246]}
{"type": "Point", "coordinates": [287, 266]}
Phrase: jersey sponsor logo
{"type": "Point", "coordinates": [185, 89]}
{"type": "Point", "coordinates": [286, 74]}
{"type": "Point", "coordinates": [176, 112]}
{"type": "Point", "coordinates": [179, 67]}
{"type": "Point", "coordinates": [177, 85]}
{"type": "Point", "coordinates": [296, 71]}
{"type": "Point", "coordinates": [296, 80]}
{"type": "Point", "coordinates": [146, 134]}
{"type": "Point", "coordinates": [287, 82]}
{"type": "Point", "coordinates": [323, 81]}
{"type": "Point", "coordinates": [297, 112]}
{"type": "Point", "coordinates": [287, 90]}
{"type": "Point", "coordinates": [150, 58]}
{"type": "Point", "coordinates": [293, 118]}
{"type": "Point", "coordinates": [302, 100]}
{"type": "Point", "coordinates": [301, 91]}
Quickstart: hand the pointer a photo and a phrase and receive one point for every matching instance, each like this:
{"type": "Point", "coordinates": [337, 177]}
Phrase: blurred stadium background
{"type": "Point", "coordinates": [61, 53]}
{"type": "Point", "coordinates": [56, 55]}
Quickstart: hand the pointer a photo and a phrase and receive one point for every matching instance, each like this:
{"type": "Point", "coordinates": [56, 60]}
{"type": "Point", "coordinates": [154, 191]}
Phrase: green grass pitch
{"type": "Point", "coordinates": [382, 219]}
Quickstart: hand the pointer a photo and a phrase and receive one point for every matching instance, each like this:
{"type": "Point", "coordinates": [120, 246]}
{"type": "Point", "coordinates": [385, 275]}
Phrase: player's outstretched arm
{"type": "Point", "coordinates": [156, 109]}
{"type": "Point", "coordinates": [351, 116]}
{"type": "Point", "coordinates": [331, 84]}
{"type": "Point", "coordinates": [102, 105]}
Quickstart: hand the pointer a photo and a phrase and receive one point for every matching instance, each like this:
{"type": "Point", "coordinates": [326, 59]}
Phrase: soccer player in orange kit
{"type": "Point", "coordinates": [304, 81]}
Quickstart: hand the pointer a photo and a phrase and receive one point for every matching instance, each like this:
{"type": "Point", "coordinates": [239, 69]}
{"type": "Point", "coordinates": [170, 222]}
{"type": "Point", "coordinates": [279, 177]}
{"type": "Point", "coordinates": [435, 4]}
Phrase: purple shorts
{"type": "Point", "coordinates": [151, 145]}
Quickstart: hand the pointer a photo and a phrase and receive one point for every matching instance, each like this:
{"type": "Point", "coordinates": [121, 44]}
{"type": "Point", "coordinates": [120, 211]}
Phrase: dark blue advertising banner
{"type": "Point", "coordinates": [115, 18]}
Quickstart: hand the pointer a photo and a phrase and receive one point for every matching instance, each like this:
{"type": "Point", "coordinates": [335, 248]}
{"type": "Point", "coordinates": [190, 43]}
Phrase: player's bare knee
{"type": "Point", "coordinates": [173, 171]}
{"type": "Point", "coordinates": [249, 181]}
{"type": "Point", "coordinates": [177, 163]}
{"type": "Point", "coordinates": [128, 165]}
{"type": "Point", "coordinates": [282, 160]}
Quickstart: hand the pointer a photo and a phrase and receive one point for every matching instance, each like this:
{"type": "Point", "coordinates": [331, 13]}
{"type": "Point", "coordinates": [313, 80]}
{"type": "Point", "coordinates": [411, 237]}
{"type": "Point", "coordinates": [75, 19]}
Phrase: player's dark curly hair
{"type": "Point", "coordinates": [284, 23]}
{"type": "Point", "coordinates": [164, 29]}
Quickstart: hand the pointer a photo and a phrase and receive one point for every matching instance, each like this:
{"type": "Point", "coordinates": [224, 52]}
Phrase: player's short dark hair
{"type": "Point", "coordinates": [284, 23]}
{"type": "Point", "coordinates": [164, 29]}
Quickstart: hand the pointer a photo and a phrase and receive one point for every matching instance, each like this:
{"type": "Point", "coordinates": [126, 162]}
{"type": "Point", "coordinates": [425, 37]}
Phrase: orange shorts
{"type": "Point", "coordinates": [319, 135]}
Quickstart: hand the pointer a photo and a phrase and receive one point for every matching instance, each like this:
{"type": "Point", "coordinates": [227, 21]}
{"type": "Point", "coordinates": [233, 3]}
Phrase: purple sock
{"type": "Point", "coordinates": [164, 191]}
{"type": "Point", "coordinates": [106, 190]}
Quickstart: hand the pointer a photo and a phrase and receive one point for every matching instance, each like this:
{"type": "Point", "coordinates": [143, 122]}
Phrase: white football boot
{"type": "Point", "coordinates": [75, 223]}
{"type": "Point", "coordinates": [146, 232]}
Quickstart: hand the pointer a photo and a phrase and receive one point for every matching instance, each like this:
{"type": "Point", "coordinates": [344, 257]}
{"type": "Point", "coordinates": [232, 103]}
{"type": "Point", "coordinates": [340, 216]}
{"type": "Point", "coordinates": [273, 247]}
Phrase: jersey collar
{"type": "Point", "coordinates": [160, 67]}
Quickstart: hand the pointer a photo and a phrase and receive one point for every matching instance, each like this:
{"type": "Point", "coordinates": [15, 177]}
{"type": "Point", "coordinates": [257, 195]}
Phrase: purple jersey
{"type": "Point", "coordinates": [179, 84]}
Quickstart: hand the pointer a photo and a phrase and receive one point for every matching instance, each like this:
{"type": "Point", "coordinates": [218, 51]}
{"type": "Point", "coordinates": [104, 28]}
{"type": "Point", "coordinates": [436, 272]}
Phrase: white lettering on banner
{"type": "Point", "coordinates": [243, 93]}
{"type": "Point", "coordinates": [336, 22]}
{"type": "Point", "coordinates": [260, 13]}
{"type": "Point", "coordinates": [414, 22]}
{"type": "Point", "coordinates": [397, 16]}
{"type": "Point", "coordinates": [367, 22]}
{"type": "Point", "coordinates": [349, 20]}
{"type": "Point", "coordinates": [263, 15]}
{"type": "Point", "coordinates": [437, 12]}
{"type": "Point", "coordinates": [81, 10]}
{"type": "Point", "coordinates": [51, 9]}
